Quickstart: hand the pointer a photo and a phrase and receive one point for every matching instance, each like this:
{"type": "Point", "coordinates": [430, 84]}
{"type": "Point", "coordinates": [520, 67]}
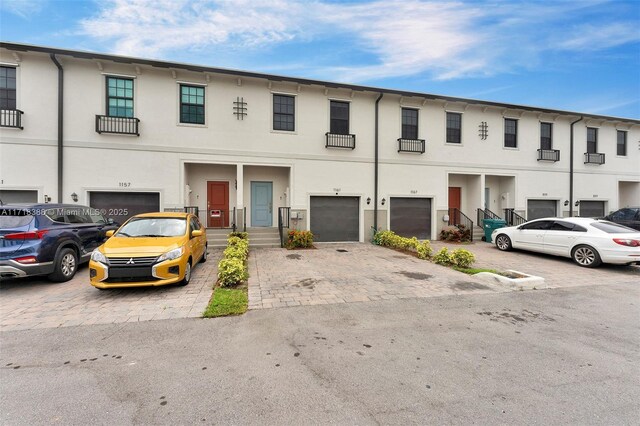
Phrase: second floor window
{"type": "Point", "coordinates": [510, 133]}
{"type": "Point", "coordinates": [409, 123]}
{"type": "Point", "coordinates": [621, 145]}
{"type": "Point", "coordinates": [119, 97]}
{"type": "Point", "coordinates": [7, 88]}
{"type": "Point", "coordinates": [592, 140]}
{"type": "Point", "coordinates": [454, 126]}
{"type": "Point", "coordinates": [191, 104]}
{"type": "Point", "coordinates": [284, 113]}
{"type": "Point", "coordinates": [339, 118]}
{"type": "Point", "coordinates": [546, 139]}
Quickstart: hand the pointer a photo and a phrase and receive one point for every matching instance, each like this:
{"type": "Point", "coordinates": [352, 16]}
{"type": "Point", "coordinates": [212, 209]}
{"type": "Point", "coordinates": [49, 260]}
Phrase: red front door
{"type": "Point", "coordinates": [218, 204]}
{"type": "Point", "coordinates": [455, 202]}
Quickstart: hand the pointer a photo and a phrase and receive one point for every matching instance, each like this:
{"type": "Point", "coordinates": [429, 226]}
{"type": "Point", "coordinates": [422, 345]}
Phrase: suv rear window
{"type": "Point", "coordinates": [612, 228]}
{"type": "Point", "coordinates": [14, 218]}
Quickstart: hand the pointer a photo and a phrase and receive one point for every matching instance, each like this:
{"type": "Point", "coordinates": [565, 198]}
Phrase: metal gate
{"type": "Point", "coordinates": [335, 218]}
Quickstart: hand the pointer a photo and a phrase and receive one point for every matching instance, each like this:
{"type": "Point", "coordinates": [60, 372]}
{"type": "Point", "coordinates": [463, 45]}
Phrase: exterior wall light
{"type": "Point", "coordinates": [566, 202]}
{"type": "Point", "coordinates": [577, 203]}
{"type": "Point", "coordinates": [368, 200]}
{"type": "Point", "coordinates": [383, 201]}
{"type": "Point", "coordinates": [74, 197]}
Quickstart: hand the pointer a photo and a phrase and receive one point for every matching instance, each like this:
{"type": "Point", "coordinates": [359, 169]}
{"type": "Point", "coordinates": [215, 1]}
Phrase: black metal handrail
{"type": "Point", "coordinates": [461, 221]}
{"type": "Point", "coordinates": [512, 218]}
{"type": "Point", "coordinates": [192, 209]}
{"type": "Point", "coordinates": [117, 125]}
{"type": "Point", "coordinates": [548, 155]}
{"type": "Point", "coordinates": [244, 219]}
{"type": "Point", "coordinates": [284, 215]}
{"type": "Point", "coordinates": [593, 158]}
{"type": "Point", "coordinates": [335, 140]}
{"type": "Point", "coordinates": [411, 145]}
{"type": "Point", "coordinates": [11, 118]}
{"type": "Point", "coordinates": [235, 217]}
{"type": "Point", "coordinates": [483, 214]}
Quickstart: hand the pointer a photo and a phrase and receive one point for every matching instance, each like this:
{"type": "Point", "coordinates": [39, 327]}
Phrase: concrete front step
{"type": "Point", "coordinates": [258, 237]}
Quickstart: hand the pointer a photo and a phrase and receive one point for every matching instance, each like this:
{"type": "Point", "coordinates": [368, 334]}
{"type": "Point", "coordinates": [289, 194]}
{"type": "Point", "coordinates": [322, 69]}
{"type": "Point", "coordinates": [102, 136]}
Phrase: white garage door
{"type": "Point", "coordinates": [335, 219]}
{"type": "Point", "coordinates": [541, 208]}
{"type": "Point", "coordinates": [120, 206]}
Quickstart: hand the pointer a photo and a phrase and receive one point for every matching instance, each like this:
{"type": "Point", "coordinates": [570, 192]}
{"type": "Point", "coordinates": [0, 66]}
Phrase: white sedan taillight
{"type": "Point", "coordinates": [627, 242]}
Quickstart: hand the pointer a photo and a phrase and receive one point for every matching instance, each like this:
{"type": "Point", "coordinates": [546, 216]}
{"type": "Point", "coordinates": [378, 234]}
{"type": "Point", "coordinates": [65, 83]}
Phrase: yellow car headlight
{"type": "Point", "coordinates": [170, 255]}
{"type": "Point", "coordinates": [98, 256]}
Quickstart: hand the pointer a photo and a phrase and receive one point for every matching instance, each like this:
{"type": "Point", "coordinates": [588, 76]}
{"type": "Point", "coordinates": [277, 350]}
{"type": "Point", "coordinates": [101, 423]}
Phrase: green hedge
{"type": "Point", "coordinates": [391, 239]}
{"type": "Point", "coordinates": [232, 269]}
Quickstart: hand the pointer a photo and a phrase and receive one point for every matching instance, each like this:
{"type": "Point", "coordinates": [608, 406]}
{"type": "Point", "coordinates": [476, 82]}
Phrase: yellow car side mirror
{"type": "Point", "coordinates": [109, 233]}
{"type": "Point", "coordinates": [196, 233]}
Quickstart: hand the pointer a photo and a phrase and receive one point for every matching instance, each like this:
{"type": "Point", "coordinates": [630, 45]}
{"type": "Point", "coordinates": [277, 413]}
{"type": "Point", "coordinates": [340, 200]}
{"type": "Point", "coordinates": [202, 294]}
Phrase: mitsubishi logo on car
{"type": "Point", "coordinates": [130, 262]}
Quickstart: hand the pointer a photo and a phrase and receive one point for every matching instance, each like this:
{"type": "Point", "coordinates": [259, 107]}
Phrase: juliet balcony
{"type": "Point", "coordinates": [11, 118]}
{"type": "Point", "coordinates": [548, 155]}
{"type": "Point", "coordinates": [411, 145]}
{"type": "Point", "coordinates": [593, 158]}
{"type": "Point", "coordinates": [118, 125]}
{"type": "Point", "coordinates": [335, 140]}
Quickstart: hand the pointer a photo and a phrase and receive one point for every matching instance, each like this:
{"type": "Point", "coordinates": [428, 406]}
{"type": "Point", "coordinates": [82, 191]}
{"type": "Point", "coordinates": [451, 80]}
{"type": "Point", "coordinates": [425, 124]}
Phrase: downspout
{"type": "Point", "coordinates": [571, 168]}
{"type": "Point", "coordinates": [375, 181]}
{"type": "Point", "coordinates": [60, 115]}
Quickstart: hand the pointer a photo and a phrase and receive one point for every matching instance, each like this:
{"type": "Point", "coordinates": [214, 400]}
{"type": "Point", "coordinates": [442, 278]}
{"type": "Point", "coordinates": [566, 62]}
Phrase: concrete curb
{"type": "Point", "coordinates": [528, 282]}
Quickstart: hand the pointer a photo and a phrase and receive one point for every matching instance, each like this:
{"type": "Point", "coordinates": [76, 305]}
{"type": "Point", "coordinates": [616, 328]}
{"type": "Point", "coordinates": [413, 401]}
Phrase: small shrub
{"type": "Point", "coordinates": [384, 238]}
{"type": "Point", "coordinates": [242, 235]}
{"type": "Point", "coordinates": [424, 250]}
{"type": "Point", "coordinates": [462, 258]}
{"type": "Point", "coordinates": [455, 234]}
{"type": "Point", "coordinates": [299, 239]}
{"type": "Point", "coordinates": [236, 252]}
{"type": "Point", "coordinates": [231, 271]}
{"type": "Point", "coordinates": [443, 257]}
{"type": "Point", "coordinates": [233, 241]}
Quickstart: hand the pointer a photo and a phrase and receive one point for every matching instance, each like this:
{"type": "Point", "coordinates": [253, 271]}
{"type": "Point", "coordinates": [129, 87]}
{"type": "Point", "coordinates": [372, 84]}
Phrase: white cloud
{"type": "Point", "coordinates": [447, 39]}
{"type": "Point", "coordinates": [23, 8]}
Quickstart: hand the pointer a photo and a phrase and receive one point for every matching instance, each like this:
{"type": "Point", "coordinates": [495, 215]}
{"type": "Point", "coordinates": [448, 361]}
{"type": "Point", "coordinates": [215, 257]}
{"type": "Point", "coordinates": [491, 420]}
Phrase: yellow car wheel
{"type": "Point", "coordinates": [187, 274]}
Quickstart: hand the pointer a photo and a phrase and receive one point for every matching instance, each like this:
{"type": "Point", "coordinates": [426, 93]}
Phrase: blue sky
{"type": "Point", "coordinates": [581, 55]}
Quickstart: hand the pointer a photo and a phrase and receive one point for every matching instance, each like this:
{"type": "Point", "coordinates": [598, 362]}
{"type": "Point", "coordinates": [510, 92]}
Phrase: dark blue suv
{"type": "Point", "coordinates": [48, 239]}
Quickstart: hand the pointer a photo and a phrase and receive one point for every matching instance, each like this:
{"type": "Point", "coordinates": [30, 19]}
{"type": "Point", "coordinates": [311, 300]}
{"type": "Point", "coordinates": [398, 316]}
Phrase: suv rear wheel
{"type": "Point", "coordinates": [66, 265]}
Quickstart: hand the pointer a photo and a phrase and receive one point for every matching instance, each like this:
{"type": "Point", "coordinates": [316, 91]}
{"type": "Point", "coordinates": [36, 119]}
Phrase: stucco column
{"type": "Point", "coordinates": [482, 200]}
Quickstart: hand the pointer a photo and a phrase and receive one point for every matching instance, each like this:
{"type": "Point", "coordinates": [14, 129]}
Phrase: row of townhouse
{"type": "Point", "coordinates": [128, 135]}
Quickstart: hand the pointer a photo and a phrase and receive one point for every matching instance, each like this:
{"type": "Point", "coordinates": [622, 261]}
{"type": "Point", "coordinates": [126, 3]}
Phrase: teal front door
{"type": "Point", "coordinates": [261, 203]}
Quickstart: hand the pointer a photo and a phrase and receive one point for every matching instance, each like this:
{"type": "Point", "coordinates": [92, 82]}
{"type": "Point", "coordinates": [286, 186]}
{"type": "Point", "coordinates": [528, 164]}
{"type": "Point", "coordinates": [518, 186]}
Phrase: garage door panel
{"type": "Point", "coordinates": [335, 218]}
{"type": "Point", "coordinates": [411, 217]}
{"type": "Point", "coordinates": [591, 208]}
{"type": "Point", "coordinates": [537, 209]}
{"type": "Point", "coordinates": [120, 206]}
{"type": "Point", "coordinates": [11, 196]}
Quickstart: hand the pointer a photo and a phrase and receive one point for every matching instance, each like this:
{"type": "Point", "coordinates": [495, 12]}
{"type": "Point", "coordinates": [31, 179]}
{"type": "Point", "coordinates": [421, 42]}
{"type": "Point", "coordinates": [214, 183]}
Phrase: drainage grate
{"type": "Point", "coordinates": [342, 251]}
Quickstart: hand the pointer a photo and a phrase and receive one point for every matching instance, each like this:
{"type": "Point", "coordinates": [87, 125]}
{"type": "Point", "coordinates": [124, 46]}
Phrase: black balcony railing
{"type": "Point", "coordinates": [411, 145]}
{"type": "Point", "coordinates": [482, 214]}
{"type": "Point", "coordinates": [548, 155]}
{"type": "Point", "coordinates": [593, 158]}
{"type": "Point", "coordinates": [117, 125]}
{"type": "Point", "coordinates": [11, 118]}
{"type": "Point", "coordinates": [335, 140]}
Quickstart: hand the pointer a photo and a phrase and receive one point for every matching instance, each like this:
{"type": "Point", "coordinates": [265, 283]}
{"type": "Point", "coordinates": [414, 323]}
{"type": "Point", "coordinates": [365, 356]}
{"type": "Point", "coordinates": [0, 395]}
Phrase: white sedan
{"type": "Point", "coordinates": [589, 242]}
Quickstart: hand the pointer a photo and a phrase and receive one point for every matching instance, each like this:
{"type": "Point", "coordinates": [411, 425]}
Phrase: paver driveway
{"type": "Point", "coordinates": [37, 303]}
{"type": "Point", "coordinates": [364, 272]}
{"type": "Point", "coordinates": [343, 273]}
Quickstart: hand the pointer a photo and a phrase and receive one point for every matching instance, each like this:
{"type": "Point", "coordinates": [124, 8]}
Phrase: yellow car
{"type": "Point", "coordinates": [150, 249]}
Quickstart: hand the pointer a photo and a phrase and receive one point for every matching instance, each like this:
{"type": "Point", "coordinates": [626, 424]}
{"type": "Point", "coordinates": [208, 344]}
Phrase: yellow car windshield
{"type": "Point", "coordinates": [153, 227]}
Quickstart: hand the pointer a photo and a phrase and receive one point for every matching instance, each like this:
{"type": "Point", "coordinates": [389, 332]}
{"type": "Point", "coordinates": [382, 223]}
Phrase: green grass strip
{"type": "Point", "coordinates": [227, 301]}
{"type": "Point", "coordinates": [472, 271]}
